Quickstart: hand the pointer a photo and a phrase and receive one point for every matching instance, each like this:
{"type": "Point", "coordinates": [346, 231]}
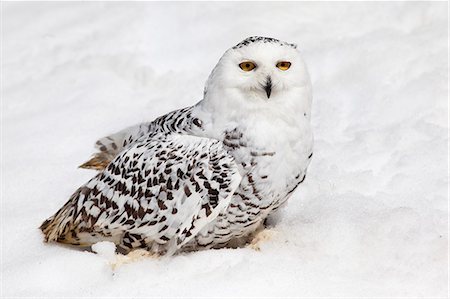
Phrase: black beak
{"type": "Point", "coordinates": [268, 87]}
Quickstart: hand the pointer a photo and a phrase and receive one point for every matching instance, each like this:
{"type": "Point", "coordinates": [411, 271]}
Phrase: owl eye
{"type": "Point", "coordinates": [247, 66]}
{"type": "Point", "coordinates": [284, 65]}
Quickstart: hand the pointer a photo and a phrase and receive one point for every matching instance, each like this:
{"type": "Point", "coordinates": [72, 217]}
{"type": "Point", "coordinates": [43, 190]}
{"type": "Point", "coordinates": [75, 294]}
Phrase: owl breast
{"type": "Point", "coordinates": [272, 165]}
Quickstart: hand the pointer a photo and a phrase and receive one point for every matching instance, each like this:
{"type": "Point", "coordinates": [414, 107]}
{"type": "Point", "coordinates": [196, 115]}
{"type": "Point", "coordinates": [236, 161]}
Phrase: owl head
{"type": "Point", "coordinates": [258, 73]}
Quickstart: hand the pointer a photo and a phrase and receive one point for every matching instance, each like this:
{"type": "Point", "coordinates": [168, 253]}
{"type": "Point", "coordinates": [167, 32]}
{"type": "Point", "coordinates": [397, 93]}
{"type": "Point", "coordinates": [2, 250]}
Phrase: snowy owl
{"type": "Point", "coordinates": [205, 176]}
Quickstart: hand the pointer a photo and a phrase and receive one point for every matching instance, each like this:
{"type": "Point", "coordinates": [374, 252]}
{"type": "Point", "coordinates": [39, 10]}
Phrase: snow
{"type": "Point", "coordinates": [370, 220]}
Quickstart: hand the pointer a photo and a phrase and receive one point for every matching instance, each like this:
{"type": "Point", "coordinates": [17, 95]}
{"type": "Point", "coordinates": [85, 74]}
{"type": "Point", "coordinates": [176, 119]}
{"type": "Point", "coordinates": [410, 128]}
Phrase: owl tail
{"type": "Point", "coordinates": [98, 162]}
{"type": "Point", "coordinates": [61, 227]}
{"type": "Point", "coordinates": [58, 227]}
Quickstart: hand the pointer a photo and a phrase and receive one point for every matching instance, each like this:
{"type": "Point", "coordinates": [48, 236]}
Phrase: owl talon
{"type": "Point", "coordinates": [131, 257]}
{"type": "Point", "coordinates": [261, 236]}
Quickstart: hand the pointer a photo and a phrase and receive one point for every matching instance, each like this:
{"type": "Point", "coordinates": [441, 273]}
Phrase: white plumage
{"type": "Point", "coordinates": [205, 176]}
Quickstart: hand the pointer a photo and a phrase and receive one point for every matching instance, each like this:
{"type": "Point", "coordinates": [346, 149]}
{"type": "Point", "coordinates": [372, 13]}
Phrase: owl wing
{"type": "Point", "coordinates": [166, 188]}
{"type": "Point", "coordinates": [109, 147]}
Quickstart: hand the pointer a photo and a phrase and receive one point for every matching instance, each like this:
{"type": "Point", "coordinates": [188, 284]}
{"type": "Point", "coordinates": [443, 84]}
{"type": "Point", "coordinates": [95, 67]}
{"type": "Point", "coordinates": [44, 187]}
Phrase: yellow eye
{"type": "Point", "coordinates": [283, 65]}
{"type": "Point", "coordinates": [247, 66]}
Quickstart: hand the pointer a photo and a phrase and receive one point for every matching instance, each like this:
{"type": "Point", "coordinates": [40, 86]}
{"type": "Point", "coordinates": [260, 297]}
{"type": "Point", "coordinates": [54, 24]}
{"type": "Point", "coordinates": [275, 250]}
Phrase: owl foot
{"type": "Point", "coordinates": [133, 256]}
{"type": "Point", "coordinates": [261, 236]}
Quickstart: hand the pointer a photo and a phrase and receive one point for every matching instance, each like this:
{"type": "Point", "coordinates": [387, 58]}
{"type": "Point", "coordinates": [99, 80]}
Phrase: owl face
{"type": "Point", "coordinates": [261, 69]}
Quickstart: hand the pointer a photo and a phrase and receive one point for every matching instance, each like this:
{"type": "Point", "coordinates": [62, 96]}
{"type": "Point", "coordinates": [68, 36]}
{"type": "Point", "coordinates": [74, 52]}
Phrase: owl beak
{"type": "Point", "coordinates": [268, 87]}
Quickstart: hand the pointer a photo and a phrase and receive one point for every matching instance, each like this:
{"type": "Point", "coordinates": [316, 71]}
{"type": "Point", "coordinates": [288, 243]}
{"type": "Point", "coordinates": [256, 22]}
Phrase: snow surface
{"type": "Point", "coordinates": [371, 218]}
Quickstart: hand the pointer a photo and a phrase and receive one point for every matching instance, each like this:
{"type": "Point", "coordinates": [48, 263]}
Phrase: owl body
{"type": "Point", "coordinates": [205, 176]}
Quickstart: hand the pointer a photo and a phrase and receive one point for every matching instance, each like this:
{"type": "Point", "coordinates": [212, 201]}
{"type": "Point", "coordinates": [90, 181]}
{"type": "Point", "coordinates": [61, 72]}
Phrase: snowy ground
{"type": "Point", "coordinates": [370, 220]}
